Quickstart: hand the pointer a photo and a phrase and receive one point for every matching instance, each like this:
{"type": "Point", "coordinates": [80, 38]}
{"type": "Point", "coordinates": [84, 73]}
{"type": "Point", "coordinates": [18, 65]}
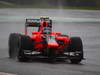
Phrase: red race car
{"type": "Point", "coordinates": [44, 42]}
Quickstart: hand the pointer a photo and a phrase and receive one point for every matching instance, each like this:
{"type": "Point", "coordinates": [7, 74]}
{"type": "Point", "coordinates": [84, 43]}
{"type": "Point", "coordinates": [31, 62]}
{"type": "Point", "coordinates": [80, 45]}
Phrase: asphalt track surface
{"type": "Point", "coordinates": [83, 23]}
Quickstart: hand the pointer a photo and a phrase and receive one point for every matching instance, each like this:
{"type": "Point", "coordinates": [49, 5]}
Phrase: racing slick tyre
{"type": "Point", "coordinates": [13, 45]}
{"type": "Point", "coordinates": [25, 44]}
{"type": "Point", "coordinates": [76, 47]}
{"type": "Point", "coordinates": [17, 44]}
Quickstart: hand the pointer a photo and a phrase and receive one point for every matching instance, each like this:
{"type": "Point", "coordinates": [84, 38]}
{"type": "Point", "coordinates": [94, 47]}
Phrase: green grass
{"type": "Point", "coordinates": [7, 6]}
{"type": "Point", "coordinates": [51, 7]}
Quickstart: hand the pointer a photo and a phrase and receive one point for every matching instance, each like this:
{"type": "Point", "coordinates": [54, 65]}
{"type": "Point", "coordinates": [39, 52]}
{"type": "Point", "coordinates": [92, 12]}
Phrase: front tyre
{"type": "Point", "coordinates": [76, 47]}
{"type": "Point", "coordinates": [17, 44]}
{"type": "Point", "coordinates": [25, 44]}
{"type": "Point", "coordinates": [13, 44]}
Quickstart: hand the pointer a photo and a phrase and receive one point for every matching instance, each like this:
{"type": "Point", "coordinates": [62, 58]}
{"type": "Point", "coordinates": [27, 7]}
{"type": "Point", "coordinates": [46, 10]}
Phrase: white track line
{"type": "Point", "coordinates": [3, 73]}
{"type": "Point", "coordinates": [57, 19]}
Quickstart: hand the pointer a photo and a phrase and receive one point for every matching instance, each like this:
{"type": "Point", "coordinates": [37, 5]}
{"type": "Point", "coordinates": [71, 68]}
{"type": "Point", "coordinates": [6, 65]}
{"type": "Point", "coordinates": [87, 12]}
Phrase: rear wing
{"type": "Point", "coordinates": [32, 22]}
{"type": "Point", "coordinates": [36, 22]}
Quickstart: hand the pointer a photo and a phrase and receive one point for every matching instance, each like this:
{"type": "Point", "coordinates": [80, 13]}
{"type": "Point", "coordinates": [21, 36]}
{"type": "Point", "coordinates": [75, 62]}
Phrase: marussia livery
{"type": "Point", "coordinates": [44, 42]}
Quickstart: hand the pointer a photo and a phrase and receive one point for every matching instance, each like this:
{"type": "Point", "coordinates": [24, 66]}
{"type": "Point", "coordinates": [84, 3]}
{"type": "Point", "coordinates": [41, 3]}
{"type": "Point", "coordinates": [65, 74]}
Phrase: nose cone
{"type": "Point", "coordinates": [52, 43]}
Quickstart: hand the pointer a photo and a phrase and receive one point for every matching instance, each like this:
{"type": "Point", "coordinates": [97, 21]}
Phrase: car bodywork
{"type": "Point", "coordinates": [49, 44]}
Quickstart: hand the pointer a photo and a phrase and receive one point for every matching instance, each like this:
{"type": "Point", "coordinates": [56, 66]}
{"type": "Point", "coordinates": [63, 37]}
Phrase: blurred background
{"type": "Point", "coordinates": [85, 4]}
{"type": "Point", "coordinates": [71, 17]}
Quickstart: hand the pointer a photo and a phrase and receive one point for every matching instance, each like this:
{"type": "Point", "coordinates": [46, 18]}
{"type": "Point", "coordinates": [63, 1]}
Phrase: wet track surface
{"type": "Point", "coordinates": [12, 20]}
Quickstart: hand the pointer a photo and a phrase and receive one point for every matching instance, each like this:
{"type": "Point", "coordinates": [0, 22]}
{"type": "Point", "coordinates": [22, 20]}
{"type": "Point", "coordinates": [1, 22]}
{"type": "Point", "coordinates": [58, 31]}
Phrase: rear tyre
{"type": "Point", "coordinates": [76, 46]}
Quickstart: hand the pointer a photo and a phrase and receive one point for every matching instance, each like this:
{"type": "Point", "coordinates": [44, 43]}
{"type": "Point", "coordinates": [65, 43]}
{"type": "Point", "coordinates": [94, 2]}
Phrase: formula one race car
{"type": "Point", "coordinates": [44, 42]}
